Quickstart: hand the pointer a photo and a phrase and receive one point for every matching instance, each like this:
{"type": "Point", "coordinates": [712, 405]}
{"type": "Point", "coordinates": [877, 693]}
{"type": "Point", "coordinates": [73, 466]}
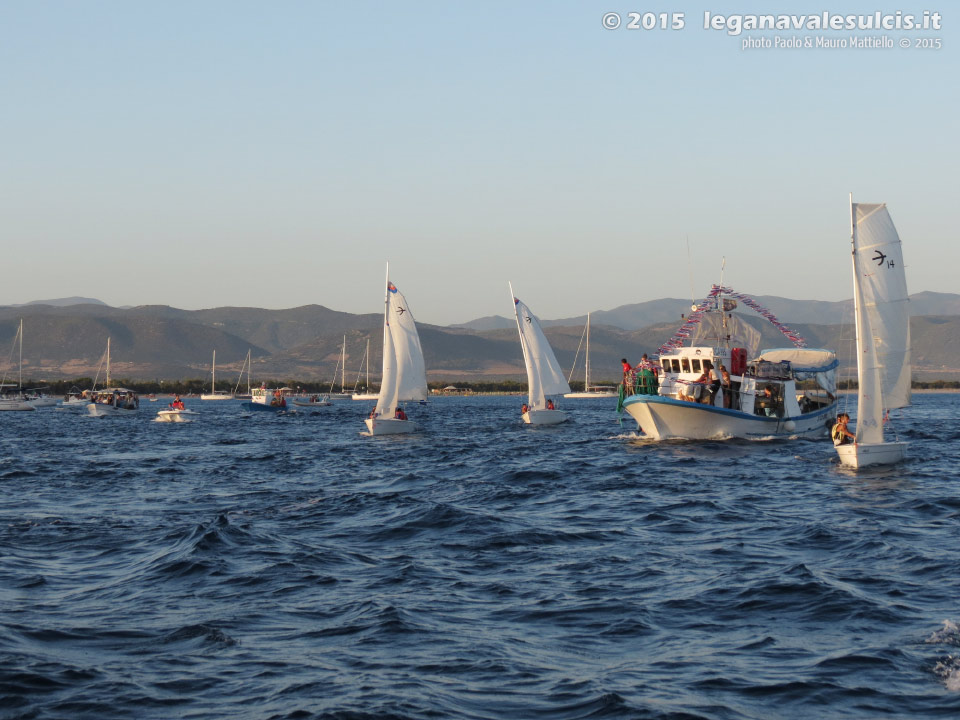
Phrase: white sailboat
{"type": "Point", "coordinates": [342, 367]}
{"type": "Point", "coordinates": [544, 377]}
{"type": "Point", "coordinates": [366, 395]}
{"type": "Point", "coordinates": [596, 391]}
{"type": "Point", "coordinates": [883, 334]}
{"type": "Point", "coordinates": [404, 373]}
{"type": "Point", "coordinates": [236, 390]}
{"type": "Point", "coordinates": [215, 394]}
{"type": "Point", "coordinates": [10, 399]}
{"type": "Point", "coordinates": [111, 400]}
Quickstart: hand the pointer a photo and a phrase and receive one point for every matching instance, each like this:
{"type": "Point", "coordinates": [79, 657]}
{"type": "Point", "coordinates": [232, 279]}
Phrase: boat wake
{"type": "Point", "coordinates": [947, 668]}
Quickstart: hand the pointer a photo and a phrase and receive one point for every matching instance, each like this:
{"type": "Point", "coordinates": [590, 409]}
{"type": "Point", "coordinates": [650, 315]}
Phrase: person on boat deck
{"type": "Point", "coordinates": [550, 405]}
{"type": "Point", "coordinates": [373, 413]}
{"type": "Point", "coordinates": [712, 378]}
{"type": "Point", "coordinates": [399, 414]}
{"type": "Point", "coordinates": [524, 408]}
{"type": "Point", "coordinates": [766, 402]}
{"type": "Point", "coordinates": [177, 403]}
{"type": "Point", "coordinates": [648, 376]}
{"type": "Point", "coordinates": [725, 384]}
{"type": "Point", "coordinates": [628, 376]}
{"type": "Point", "coordinates": [841, 434]}
{"type": "Point", "coordinates": [695, 390]}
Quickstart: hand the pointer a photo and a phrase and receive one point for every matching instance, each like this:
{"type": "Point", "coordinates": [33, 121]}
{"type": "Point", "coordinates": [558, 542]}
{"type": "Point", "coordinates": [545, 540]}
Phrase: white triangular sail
{"type": "Point", "coordinates": [404, 372]}
{"type": "Point", "coordinates": [544, 376]}
{"type": "Point", "coordinates": [883, 320]}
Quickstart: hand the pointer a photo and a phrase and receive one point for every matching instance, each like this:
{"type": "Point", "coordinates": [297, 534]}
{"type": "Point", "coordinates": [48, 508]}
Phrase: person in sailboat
{"type": "Point", "coordinates": [524, 408]}
{"type": "Point", "coordinates": [841, 433]}
{"type": "Point", "coordinates": [550, 405]}
{"type": "Point", "coordinates": [399, 414]}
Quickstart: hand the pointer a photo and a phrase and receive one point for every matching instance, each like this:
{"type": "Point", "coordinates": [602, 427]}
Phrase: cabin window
{"type": "Point", "coordinates": [666, 365]}
{"type": "Point", "coordinates": [696, 365]}
{"type": "Point", "coordinates": [676, 365]}
{"type": "Point", "coordinates": [685, 364]}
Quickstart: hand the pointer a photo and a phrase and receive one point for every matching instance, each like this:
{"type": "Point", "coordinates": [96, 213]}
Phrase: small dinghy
{"type": "Point", "coordinates": [176, 415]}
{"type": "Point", "coordinates": [544, 377]}
{"type": "Point", "coordinates": [883, 336]}
{"type": "Point", "coordinates": [404, 373]}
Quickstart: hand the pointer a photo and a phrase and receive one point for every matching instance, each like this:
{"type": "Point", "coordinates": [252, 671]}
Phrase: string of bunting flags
{"type": "Point", "coordinates": [685, 330]}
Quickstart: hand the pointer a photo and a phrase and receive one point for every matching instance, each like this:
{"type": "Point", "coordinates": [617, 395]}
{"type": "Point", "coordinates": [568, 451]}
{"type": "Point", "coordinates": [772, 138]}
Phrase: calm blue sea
{"type": "Point", "coordinates": [287, 567]}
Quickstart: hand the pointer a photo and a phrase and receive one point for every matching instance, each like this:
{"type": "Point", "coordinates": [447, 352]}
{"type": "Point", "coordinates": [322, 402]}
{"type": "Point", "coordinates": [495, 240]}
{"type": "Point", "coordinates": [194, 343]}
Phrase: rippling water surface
{"type": "Point", "coordinates": [288, 567]}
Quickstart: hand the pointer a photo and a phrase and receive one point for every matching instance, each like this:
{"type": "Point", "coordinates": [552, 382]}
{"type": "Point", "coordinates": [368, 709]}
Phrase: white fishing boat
{"type": "Point", "coordinates": [365, 363]}
{"type": "Point", "coordinates": [589, 391]}
{"type": "Point", "coordinates": [404, 372]}
{"type": "Point", "coordinates": [215, 394]}
{"type": "Point", "coordinates": [883, 335]}
{"type": "Point", "coordinates": [269, 399]}
{"type": "Point", "coordinates": [544, 377]}
{"type": "Point", "coordinates": [12, 398]}
{"type": "Point", "coordinates": [778, 393]}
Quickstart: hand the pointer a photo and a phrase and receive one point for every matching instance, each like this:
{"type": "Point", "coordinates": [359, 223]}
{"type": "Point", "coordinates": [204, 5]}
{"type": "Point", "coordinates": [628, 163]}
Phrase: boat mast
{"type": "Point", "coordinates": [857, 306]}
{"type": "Point", "coordinates": [367, 356]}
{"type": "Point", "coordinates": [523, 343]}
{"type": "Point", "coordinates": [108, 362]}
{"type": "Point", "coordinates": [586, 374]}
{"type": "Point", "coordinates": [20, 333]}
{"type": "Point", "coordinates": [248, 371]}
{"type": "Point", "coordinates": [213, 374]}
{"type": "Point", "coordinates": [343, 366]}
{"type": "Point", "coordinates": [723, 314]}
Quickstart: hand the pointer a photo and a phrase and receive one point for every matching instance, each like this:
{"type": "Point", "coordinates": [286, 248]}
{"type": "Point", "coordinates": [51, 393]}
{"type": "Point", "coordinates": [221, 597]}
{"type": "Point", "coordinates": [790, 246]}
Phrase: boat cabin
{"type": "Point", "coordinates": [119, 398]}
{"type": "Point", "coordinates": [766, 385]}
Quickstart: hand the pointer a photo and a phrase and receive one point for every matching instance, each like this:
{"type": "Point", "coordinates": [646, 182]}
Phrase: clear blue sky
{"type": "Point", "coordinates": [201, 154]}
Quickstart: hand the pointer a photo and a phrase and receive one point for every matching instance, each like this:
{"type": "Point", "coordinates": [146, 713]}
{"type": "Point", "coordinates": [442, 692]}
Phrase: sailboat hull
{"type": "Point", "coordinates": [544, 417]}
{"type": "Point", "coordinates": [16, 406]}
{"type": "Point", "coordinates": [664, 418]}
{"type": "Point", "coordinates": [860, 455]}
{"type": "Point", "coordinates": [390, 426]}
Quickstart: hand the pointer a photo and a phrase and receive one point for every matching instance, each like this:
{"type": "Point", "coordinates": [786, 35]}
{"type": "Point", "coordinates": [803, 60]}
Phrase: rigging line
{"type": "Point", "coordinates": [576, 357]}
{"type": "Point", "coordinates": [13, 349]}
{"type": "Point", "coordinates": [693, 297]}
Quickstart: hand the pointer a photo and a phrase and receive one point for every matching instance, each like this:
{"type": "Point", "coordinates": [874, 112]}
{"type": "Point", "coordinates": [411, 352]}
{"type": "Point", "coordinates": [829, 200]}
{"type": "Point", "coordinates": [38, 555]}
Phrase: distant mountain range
{"type": "Point", "coordinates": [640, 315]}
{"type": "Point", "coordinates": [63, 338]}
